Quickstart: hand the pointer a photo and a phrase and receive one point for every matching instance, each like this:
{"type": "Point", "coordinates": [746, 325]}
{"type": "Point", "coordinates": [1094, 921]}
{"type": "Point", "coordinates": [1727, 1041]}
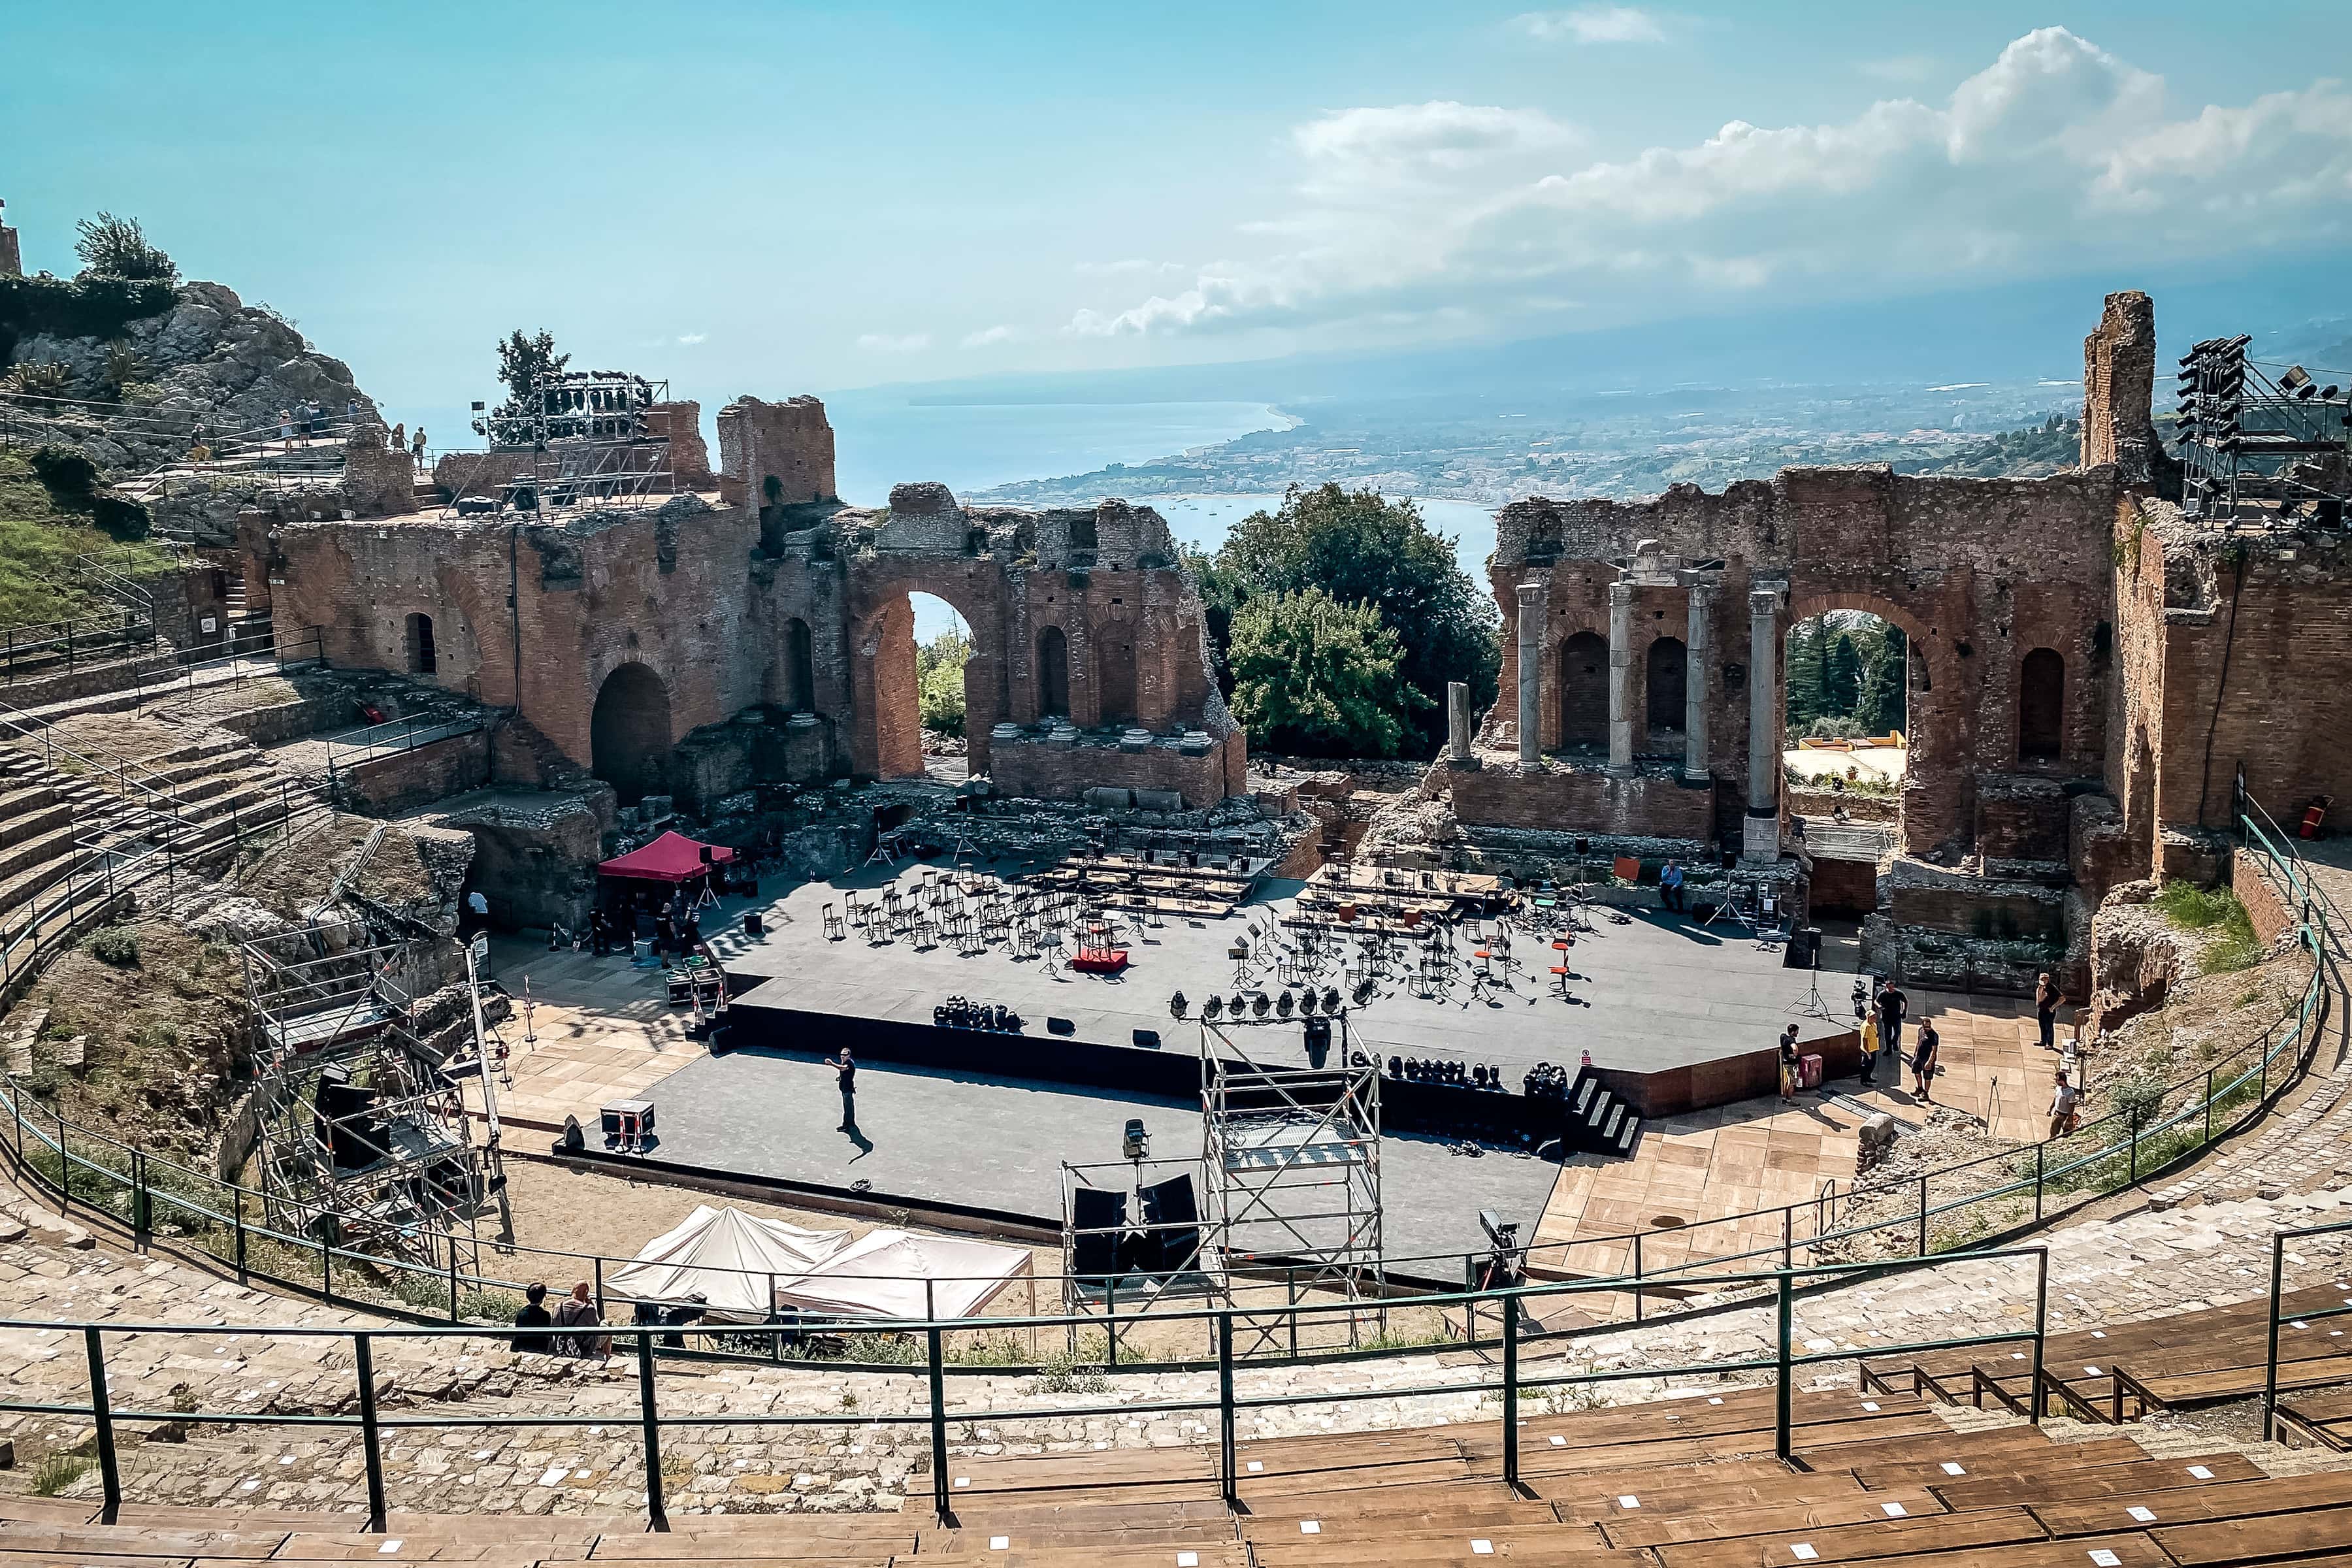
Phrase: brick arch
{"type": "Point", "coordinates": [1937, 785]}
{"type": "Point", "coordinates": [883, 739]}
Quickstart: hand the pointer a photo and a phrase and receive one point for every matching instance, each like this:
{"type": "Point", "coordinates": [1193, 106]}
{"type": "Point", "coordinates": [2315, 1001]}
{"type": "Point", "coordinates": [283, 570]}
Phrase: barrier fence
{"type": "Point", "coordinates": [1507, 1381]}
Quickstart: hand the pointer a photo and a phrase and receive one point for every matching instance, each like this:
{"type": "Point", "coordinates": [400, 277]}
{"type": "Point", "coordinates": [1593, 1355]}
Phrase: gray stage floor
{"type": "Point", "coordinates": [1000, 1143]}
{"type": "Point", "coordinates": [1660, 993]}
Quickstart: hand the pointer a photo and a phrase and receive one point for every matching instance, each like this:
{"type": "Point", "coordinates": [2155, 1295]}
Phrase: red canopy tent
{"type": "Point", "coordinates": [672, 858]}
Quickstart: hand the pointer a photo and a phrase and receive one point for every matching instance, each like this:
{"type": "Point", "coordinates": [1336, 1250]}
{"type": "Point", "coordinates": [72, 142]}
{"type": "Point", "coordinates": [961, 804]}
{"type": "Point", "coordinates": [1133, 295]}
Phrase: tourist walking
{"type": "Point", "coordinates": [1870, 1048]}
{"type": "Point", "coordinates": [286, 428]}
{"type": "Point", "coordinates": [1789, 1062]}
{"type": "Point", "coordinates": [2064, 1102]}
{"type": "Point", "coordinates": [533, 1315]}
{"type": "Point", "coordinates": [2045, 1007]}
{"type": "Point", "coordinates": [416, 447]}
{"type": "Point", "coordinates": [1923, 1062]}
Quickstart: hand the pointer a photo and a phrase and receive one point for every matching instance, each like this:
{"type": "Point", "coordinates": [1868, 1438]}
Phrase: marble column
{"type": "Point", "coordinates": [1761, 837]}
{"type": "Point", "coordinates": [1457, 724]}
{"type": "Point", "coordinates": [1698, 660]}
{"type": "Point", "coordinates": [1531, 639]}
{"type": "Point", "coordinates": [1620, 679]}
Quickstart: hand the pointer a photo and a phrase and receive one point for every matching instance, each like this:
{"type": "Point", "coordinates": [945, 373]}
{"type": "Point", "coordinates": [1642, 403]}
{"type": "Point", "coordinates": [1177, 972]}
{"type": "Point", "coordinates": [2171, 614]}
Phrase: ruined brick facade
{"type": "Point", "coordinates": [762, 630]}
{"type": "Point", "coordinates": [1979, 572]}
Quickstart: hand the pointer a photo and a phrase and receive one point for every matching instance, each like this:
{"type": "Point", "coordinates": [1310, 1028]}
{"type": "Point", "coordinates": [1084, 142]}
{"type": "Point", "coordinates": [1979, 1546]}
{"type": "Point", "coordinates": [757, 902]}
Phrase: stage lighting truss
{"type": "Point", "coordinates": [2259, 442]}
{"type": "Point", "coordinates": [585, 441]}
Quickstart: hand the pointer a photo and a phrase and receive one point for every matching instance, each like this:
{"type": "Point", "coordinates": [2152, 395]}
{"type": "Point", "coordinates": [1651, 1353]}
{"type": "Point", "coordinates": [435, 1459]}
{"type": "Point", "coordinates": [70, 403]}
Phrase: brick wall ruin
{"type": "Point", "coordinates": [1979, 572]}
{"type": "Point", "coordinates": [761, 629]}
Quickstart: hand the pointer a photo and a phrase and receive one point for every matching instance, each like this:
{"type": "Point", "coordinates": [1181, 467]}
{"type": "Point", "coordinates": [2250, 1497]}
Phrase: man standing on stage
{"type": "Point", "coordinates": [846, 1066]}
{"type": "Point", "coordinates": [1892, 1005]}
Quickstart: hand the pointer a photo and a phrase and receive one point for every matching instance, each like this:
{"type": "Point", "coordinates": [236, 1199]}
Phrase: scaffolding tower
{"type": "Point", "coordinates": [1291, 1162]}
{"type": "Point", "coordinates": [363, 1138]}
{"type": "Point", "coordinates": [582, 441]}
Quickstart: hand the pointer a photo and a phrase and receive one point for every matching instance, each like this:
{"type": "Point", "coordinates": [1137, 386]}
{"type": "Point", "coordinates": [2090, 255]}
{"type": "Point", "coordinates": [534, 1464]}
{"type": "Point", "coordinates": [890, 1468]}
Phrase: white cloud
{"type": "Point", "coordinates": [894, 342]}
{"type": "Point", "coordinates": [1127, 267]}
{"type": "Point", "coordinates": [1593, 24]}
{"type": "Point", "coordinates": [2057, 157]}
{"type": "Point", "coordinates": [690, 339]}
{"type": "Point", "coordinates": [989, 335]}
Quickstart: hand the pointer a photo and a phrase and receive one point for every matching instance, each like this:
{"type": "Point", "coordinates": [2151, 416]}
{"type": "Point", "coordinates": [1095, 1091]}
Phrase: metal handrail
{"type": "Point", "coordinates": [1512, 1304]}
{"type": "Point", "coordinates": [2277, 1318]}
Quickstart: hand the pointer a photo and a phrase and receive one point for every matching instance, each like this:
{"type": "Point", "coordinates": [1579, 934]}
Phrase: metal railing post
{"type": "Point", "coordinates": [110, 1474]}
{"type": "Point", "coordinates": [1923, 1220]}
{"type": "Point", "coordinates": [1225, 1465]}
{"type": "Point", "coordinates": [656, 1510]}
{"type": "Point", "coordinates": [2040, 1324]}
{"type": "Point", "coordinates": [1511, 1389]}
{"type": "Point", "coordinates": [237, 1209]}
{"type": "Point", "coordinates": [452, 1279]}
{"type": "Point", "coordinates": [938, 1427]}
{"type": "Point", "coordinates": [2039, 1151]}
{"type": "Point", "coordinates": [1637, 1277]}
{"type": "Point", "coordinates": [370, 1438]}
{"type": "Point", "coordinates": [1780, 1423]}
{"type": "Point", "coordinates": [141, 1220]}
{"type": "Point", "coordinates": [1788, 1237]}
{"type": "Point", "coordinates": [2270, 1353]}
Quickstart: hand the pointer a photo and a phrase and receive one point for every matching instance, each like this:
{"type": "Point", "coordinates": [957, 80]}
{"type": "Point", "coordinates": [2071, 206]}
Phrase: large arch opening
{"type": "Point", "coordinates": [2041, 706]}
{"type": "Point", "coordinates": [1846, 688]}
{"type": "Point", "coordinates": [1052, 673]}
{"type": "Point", "coordinates": [1584, 693]}
{"type": "Point", "coordinates": [1666, 671]}
{"type": "Point", "coordinates": [629, 733]}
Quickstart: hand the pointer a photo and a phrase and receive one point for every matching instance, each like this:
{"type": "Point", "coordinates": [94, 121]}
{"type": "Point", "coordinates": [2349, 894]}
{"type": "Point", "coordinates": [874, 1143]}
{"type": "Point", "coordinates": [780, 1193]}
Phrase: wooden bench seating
{"type": "Point", "coordinates": [2196, 1505]}
{"type": "Point", "coordinates": [1855, 1542]}
{"type": "Point", "coordinates": [2045, 1485]}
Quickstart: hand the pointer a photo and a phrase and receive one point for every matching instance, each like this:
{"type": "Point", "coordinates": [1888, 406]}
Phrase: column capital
{"type": "Point", "coordinates": [1763, 602]}
{"type": "Point", "coordinates": [1620, 592]}
{"type": "Point", "coordinates": [1531, 591]}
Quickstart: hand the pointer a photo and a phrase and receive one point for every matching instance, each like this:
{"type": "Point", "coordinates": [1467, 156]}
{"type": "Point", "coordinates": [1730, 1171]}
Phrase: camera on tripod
{"type": "Point", "coordinates": [1860, 997]}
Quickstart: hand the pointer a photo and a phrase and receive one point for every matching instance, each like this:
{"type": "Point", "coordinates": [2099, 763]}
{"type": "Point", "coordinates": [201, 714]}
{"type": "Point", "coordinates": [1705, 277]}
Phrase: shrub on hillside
{"type": "Point", "coordinates": [116, 945]}
{"type": "Point", "coordinates": [113, 246]}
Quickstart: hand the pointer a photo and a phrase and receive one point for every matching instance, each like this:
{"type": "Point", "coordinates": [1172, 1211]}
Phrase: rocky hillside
{"type": "Point", "coordinates": [206, 360]}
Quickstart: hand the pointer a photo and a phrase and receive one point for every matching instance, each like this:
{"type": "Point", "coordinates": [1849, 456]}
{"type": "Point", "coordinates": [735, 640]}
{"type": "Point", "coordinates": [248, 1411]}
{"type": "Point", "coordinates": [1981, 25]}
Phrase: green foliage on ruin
{"type": "Point", "coordinates": [1315, 675]}
{"type": "Point", "coordinates": [112, 247]}
{"type": "Point", "coordinates": [2190, 907]}
{"type": "Point", "coordinates": [521, 361]}
{"type": "Point", "coordinates": [1358, 548]}
{"type": "Point", "coordinates": [84, 307]}
{"type": "Point", "coordinates": [939, 681]}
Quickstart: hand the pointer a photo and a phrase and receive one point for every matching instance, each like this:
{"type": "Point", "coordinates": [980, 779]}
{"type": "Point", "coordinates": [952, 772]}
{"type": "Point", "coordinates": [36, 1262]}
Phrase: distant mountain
{"type": "Point", "coordinates": [2033, 453]}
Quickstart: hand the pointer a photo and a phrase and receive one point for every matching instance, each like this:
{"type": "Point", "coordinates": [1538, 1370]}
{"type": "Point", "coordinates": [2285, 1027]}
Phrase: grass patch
{"type": "Point", "coordinates": [42, 530]}
{"type": "Point", "coordinates": [2234, 946]}
{"type": "Point", "coordinates": [53, 1473]}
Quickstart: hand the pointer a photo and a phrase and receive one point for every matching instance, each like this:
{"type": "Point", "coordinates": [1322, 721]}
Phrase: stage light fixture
{"type": "Point", "coordinates": [1177, 1006]}
{"type": "Point", "coordinates": [2295, 379]}
{"type": "Point", "coordinates": [1136, 1143]}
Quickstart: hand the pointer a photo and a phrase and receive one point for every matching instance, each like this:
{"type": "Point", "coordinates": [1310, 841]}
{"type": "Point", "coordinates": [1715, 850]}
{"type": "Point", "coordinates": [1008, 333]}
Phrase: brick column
{"type": "Point", "coordinates": [1531, 630]}
{"type": "Point", "coordinates": [1760, 832]}
{"type": "Point", "coordinates": [1698, 658]}
{"type": "Point", "coordinates": [1620, 679]}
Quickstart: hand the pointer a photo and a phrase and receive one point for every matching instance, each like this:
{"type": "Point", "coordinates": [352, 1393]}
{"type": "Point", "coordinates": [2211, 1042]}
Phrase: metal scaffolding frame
{"type": "Point", "coordinates": [1292, 1158]}
{"type": "Point", "coordinates": [584, 443]}
{"type": "Point", "coordinates": [2260, 442]}
{"type": "Point", "coordinates": [395, 1168]}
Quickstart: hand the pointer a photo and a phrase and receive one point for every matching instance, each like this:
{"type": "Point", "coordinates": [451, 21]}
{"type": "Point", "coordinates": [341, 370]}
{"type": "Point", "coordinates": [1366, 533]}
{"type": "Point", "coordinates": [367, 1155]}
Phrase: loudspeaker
{"type": "Point", "coordinates": [1099, 1219]}
{"type": "Point", "coordinates": [1318, 1033]}
{"type": "Point", "coordinates": [1060, 1026]}
{"type": "Point", "coordinates": [754, 924]}
{"type": "Point", "coordinates": [1172, 1202]}
{"type": "Point", "coordinates": [353, 1137]}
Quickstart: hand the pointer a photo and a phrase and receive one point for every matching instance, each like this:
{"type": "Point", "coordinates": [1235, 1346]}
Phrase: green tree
{"type": "Point", "coordinates": [1806, 675]}
{"type": "Point", "coordinates": [1879, 706]}
{"type": "Point", "coordinates": [113, 246]}
{"type": "Point", "coordinates": [521, 361]}
{"type": "Point", "coordinates": [1315, 675]}
{"type": "Point", "coordinates": [1357, 547]}
{"type": "Point", "coordinates": [939, 681]}
{"type": "Point", "coordinates": [1841, 676]}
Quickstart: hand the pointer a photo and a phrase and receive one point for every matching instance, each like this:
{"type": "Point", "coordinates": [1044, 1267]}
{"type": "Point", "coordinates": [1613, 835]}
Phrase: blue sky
{"type": "Point", "coordinates": [778, 197]}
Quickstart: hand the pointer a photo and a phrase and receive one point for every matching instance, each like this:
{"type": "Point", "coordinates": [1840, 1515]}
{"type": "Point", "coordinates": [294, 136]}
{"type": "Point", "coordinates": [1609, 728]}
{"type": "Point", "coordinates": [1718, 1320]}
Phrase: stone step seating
{"type": "Point", "coordinates": [1682, 1482]}
{"type": "Point", "coordinates": [2114, 1374]}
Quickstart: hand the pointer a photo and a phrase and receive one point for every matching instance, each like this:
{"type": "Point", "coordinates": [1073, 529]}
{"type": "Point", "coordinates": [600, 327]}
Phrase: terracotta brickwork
{"type": "Point", "coordinates": [1978, 572]}
{"type": "Point", "coordinates": [766, 599]}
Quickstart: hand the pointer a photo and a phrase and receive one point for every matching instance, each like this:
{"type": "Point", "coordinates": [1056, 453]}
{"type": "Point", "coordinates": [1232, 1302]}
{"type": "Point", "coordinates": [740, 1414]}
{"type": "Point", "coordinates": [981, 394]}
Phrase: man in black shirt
{"type": "Point", "coordinates": [1892, 1005]}
{"type": "Point", "coordinates": [846, 1066]}
{"type": "Point", "coordinates": [533, 1315]}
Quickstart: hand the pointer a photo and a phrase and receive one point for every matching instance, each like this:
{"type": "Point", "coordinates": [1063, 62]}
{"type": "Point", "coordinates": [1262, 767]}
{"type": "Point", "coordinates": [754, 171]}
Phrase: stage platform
{"type": "Point", "coordinates": [1677, 1016]}
{"type": "Point", "coordinates": [926, 1134]}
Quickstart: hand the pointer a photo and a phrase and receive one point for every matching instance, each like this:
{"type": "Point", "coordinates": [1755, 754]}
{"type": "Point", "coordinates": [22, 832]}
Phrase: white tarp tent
{"type": "Point", "coordinates": [730, 1258]}
{"type": "Point", "coordinates": [884, 1275]}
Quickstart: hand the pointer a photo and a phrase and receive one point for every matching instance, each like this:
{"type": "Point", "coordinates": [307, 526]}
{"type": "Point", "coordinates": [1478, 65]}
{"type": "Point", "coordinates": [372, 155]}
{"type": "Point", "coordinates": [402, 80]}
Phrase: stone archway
{"type": "Point", "coordinates": [1053, 673]}
{"type": "Point", "coordinates": [629, 733]}
{"type": "Point", "coordinates": [1937, 798]}
{"type": "Point", "coordinates": [886, 740]}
